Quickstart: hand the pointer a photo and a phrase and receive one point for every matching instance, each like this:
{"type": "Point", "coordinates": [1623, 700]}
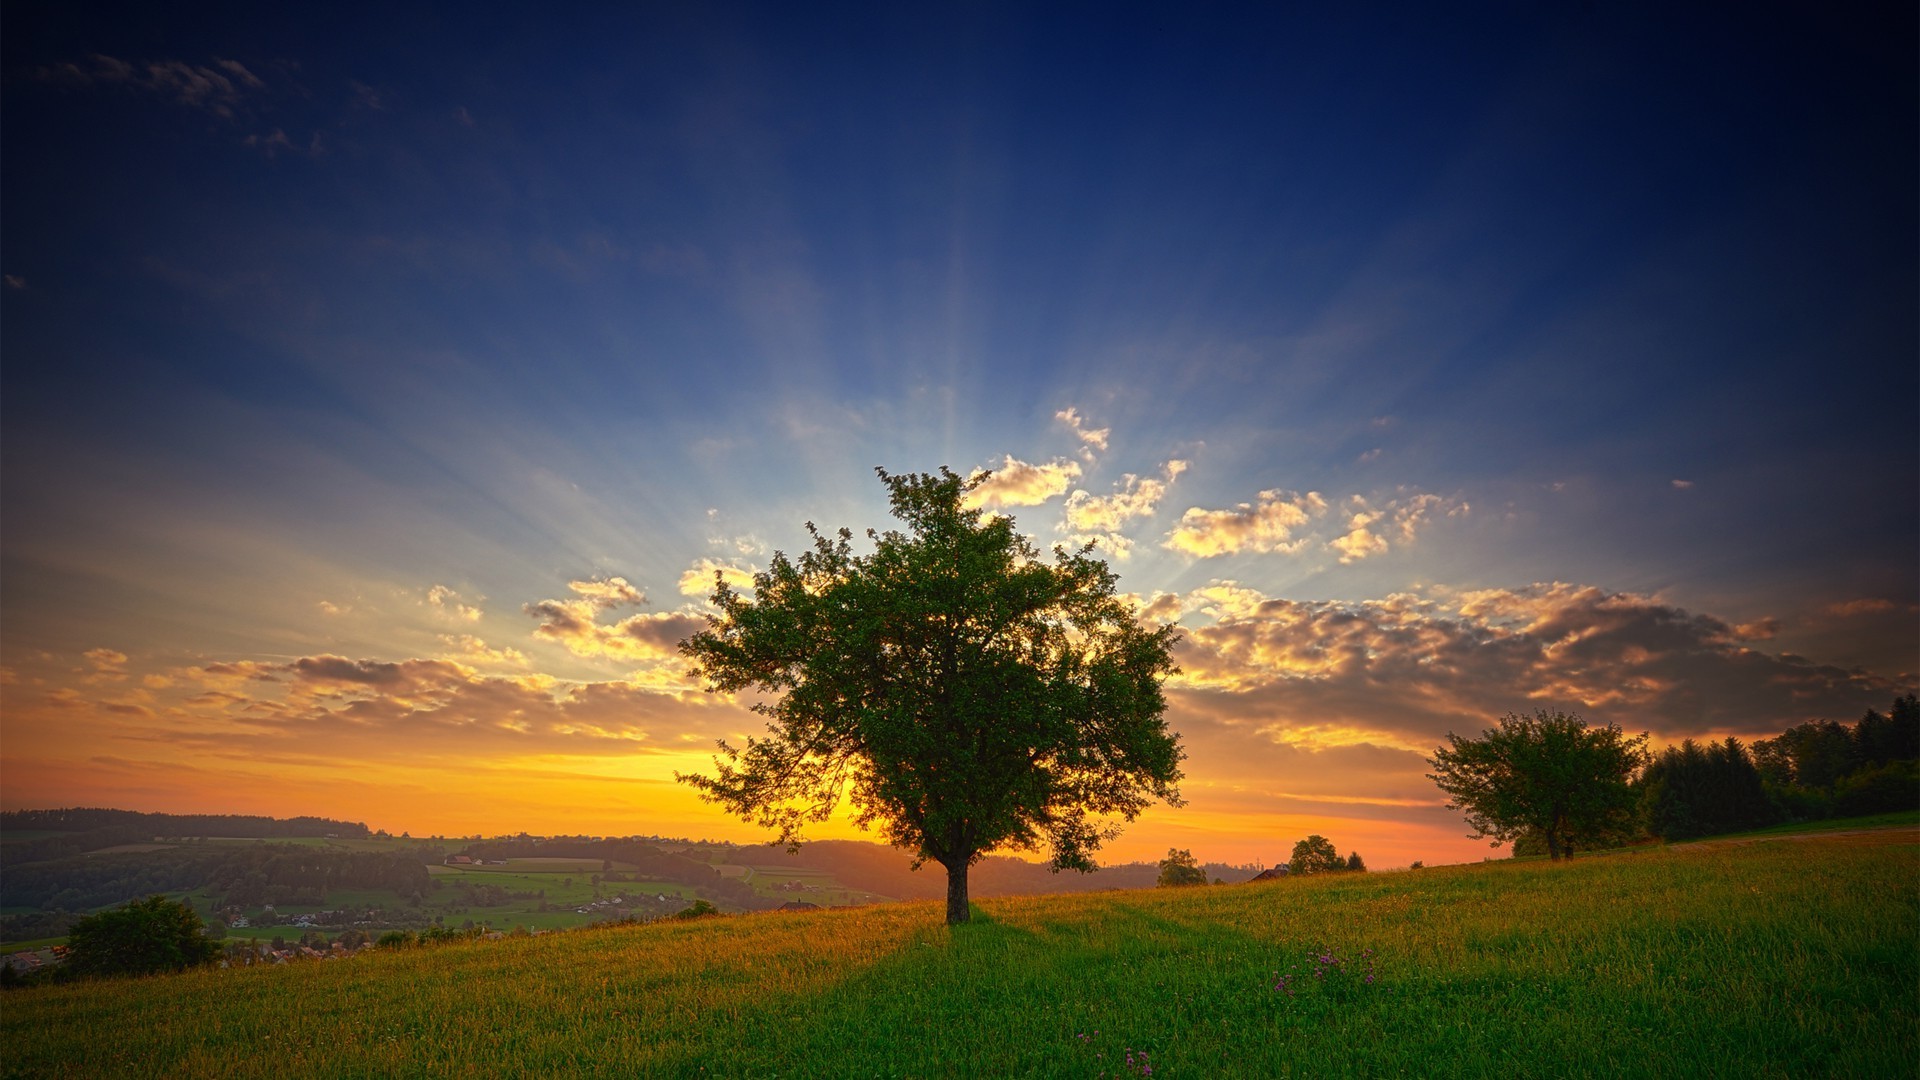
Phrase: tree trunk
{"type": "Point", "coordinates": [957, 892]}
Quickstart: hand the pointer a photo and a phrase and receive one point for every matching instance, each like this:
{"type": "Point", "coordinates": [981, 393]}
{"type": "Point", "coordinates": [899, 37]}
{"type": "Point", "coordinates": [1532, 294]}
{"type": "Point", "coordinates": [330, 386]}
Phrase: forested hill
{"type": "Point", "coordinates": [83, 829]}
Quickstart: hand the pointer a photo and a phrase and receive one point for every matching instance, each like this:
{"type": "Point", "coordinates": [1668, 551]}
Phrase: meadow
{"type": "Point", "coordinates": [1774, 957]}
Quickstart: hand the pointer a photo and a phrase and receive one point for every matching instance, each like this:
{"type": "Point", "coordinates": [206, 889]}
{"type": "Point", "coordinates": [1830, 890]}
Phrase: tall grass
{"type": "Point", "coordinates": [1773, 958]}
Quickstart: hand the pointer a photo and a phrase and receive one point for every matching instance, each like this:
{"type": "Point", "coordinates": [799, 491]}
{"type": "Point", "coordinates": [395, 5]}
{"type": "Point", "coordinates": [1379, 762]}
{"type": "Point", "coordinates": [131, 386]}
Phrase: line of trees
{"type": "Point", "coordinates": [1814, 770]}
{"type": "Point", "coordinates": [1551, 783]}
{"type": "Point", "coordinates": [245, 876]}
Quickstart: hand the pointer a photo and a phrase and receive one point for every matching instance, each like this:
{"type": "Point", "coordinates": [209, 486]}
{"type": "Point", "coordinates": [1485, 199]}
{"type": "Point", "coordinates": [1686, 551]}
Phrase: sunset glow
{"type": "Point", "coordinates": [377, 419]}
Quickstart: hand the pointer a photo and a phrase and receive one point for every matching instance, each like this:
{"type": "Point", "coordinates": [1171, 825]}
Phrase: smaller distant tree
{"type": "Point", "coordinates": [1549, 773]}
{"type": "Point", "coordinates": [1355, 863]}
{"type": "Point", "coordinates": [1315, 855]}
{"type": "Point", "coordinates": [1179, 868]}
{"type": "Point", "coordinates": [141, 938]}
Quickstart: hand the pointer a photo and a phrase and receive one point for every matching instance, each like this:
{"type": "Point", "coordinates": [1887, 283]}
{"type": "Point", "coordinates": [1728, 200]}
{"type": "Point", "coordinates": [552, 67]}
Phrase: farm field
{"type": "Point", "coordinates": [1789, 957]}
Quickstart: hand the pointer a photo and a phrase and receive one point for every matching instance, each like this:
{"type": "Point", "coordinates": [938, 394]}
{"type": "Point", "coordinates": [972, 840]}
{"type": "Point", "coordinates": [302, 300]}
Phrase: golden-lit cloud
{"type": "Point", "coordinates": [469, 649]}
{"type": "Point", "coordinates": [639, 638]}
{"type": "Point", "coordinates": [699, 578]}
{"type": "Point", "coordinates": [1099, 518]}
{"type": "Point", "coordinates": [1373, 529]}
{"type": "Point", "coordinates": [1267, 525]}
{"type": "Point", "coordinates": [108, 660]}
{"type": "Point", "coordinates": [1405, 670]}
{"type": "Point", "coordinates": [448, 604]}
{"type": "Point", "coordinates": [1360, 541]}
{"type": "Point", "coordinates": [1020, 483]}
{"type": "Point", "coordinates": [1092, 438]}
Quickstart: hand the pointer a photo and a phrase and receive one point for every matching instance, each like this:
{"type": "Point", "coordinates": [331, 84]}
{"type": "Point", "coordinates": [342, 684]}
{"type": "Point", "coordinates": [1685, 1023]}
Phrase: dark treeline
{"type": "Point", "coordinates": [1815, 770]}
{"type": "Point", "coordinates": [241, 876]}
{"type": "Point", "coordinates": [83, 829]}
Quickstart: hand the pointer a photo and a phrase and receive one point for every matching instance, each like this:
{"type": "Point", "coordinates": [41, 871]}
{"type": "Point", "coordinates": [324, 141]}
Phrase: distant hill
{"type": "Point", "coordinates": [887, 870]}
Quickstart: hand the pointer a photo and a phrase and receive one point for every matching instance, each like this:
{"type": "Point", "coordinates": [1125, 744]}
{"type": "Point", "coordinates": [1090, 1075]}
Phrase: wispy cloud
{"type": "Point", "coordinates": [447, 604]}
{"type": "Point", "coordinates": [1091, 438]}
{"type": "Point", "coordinates": [219, 89]}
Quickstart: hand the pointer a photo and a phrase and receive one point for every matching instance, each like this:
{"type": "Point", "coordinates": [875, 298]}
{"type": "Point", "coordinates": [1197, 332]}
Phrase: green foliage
{"type": "Point", "coordinates": [1811, 755]}
{"type": "Point", "coordinates": [1783, 958]}
{"type": "Point", "coordinates": [1818, 769]}
{"type": "Point", "coordinates": [1894, 785]}
{"type": "Point", "coordinates": [1689, 791]}
{"type": "Point", "coordinates": [699, 909]}
{"type": "Point", "coordinates": [1179, 868]}
{"type": "Point", "coordinates": [1315, 855]}
{"type": "Point", "coordinates": [142, 938]}
{"type": "Point", "coordinates": [1550, 773]}
{"type": "Point", "coordinates": [960, 692]}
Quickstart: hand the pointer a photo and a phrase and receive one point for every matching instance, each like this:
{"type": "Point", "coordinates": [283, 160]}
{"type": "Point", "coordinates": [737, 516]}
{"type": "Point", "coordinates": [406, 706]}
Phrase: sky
{"type": "Point", "coordinates": [383, 389]}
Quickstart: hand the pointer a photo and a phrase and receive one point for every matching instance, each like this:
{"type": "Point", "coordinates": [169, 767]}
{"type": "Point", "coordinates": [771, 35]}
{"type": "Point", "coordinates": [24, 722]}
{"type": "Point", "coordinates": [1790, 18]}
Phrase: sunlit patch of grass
{"type": "Point", "coordinates": [1775, 958]}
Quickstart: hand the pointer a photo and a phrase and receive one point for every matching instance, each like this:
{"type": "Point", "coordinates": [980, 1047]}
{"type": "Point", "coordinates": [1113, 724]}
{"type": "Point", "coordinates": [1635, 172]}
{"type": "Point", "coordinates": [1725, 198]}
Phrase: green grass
{"type": "Point", "coordinates": [1774, 958]}
{"type": "Point", "coordinates": [1871, 821]}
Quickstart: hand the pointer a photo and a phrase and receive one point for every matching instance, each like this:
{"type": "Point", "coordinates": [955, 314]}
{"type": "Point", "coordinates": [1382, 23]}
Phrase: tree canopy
{"type": "Point", "coordinates": [957, 690]}
{"type": "Point", "coordinates": [1179, 868]}
{"type": "Point", "coordinates": [141, 938]}
{"type": "Point", "coordinates": [1549, 773]}
{"type": "Point", "coordinates": [1315, 855]}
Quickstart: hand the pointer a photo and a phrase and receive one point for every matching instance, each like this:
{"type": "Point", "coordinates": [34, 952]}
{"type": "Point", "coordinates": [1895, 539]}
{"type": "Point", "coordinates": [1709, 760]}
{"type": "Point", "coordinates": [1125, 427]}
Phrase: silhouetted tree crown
{"type": "Point", "coordinates": [960, 692]}
{"type": "Point", "coordinates": [1548, 773]}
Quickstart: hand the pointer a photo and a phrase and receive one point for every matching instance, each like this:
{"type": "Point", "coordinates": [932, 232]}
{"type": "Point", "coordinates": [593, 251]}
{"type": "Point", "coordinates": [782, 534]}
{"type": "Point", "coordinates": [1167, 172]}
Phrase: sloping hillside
{"type": "Point", "coordinates": [1779, 957]}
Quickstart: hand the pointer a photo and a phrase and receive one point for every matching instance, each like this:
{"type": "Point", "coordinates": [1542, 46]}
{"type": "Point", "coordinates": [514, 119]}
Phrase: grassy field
{"type": "Point", "coordinates": [1771, 958]}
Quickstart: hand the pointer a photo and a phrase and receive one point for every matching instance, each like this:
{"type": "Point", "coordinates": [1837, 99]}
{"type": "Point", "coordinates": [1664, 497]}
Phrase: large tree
{"type": "Point", "coordinates": [1549, 774]}
{"type": "Point", "coordinates": [956, 689]}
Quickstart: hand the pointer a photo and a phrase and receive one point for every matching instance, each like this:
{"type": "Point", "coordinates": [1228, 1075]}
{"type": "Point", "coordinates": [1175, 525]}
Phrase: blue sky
{"type": "Point", "coordinates": [324, 329]}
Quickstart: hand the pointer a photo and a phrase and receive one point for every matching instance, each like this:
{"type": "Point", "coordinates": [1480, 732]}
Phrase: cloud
{"type": "Point", "coordinates": [219, 89]}
{"type": "Point", "coordinates": [1093, 438]}
{"type": "Point", "coordinates": [1869, 605]}
{"type": "Point", "coordinates": [1360, 541]}
{"type": "Point", "coordinates": [1682, 485]}
{"type": "Point", "coordinates": [15, 281]}
{"type": "Point", "coordinates": [644, 637]}
{"type": "Point", "coordinates": [328, 607]}
{"type": "Point", "coordinates": [1368, 528]}
{"type": "Point", "coordinates": [1405, 670]}
{"type": "Point", "coordinates": [1018, 483]}
{"type": "Point", "coordinates": [324, 708]}
{"type": "Point", "coordinates": [1264, 526]}
{"type": "Point", "coordinates": [447, 603]}
{"type": "Point", "coordinates": [1099, 518]}
{"type": "Point", "coordinates": [276, 143]}
{"type": "Point", "coordinates": [608, 592]}
{"type": "Point", "coordinates": [472, 650]}
{"type": "Point", "coordinates": [698, 579]}
{"type": "Point", "coordinates": [111, 660]}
